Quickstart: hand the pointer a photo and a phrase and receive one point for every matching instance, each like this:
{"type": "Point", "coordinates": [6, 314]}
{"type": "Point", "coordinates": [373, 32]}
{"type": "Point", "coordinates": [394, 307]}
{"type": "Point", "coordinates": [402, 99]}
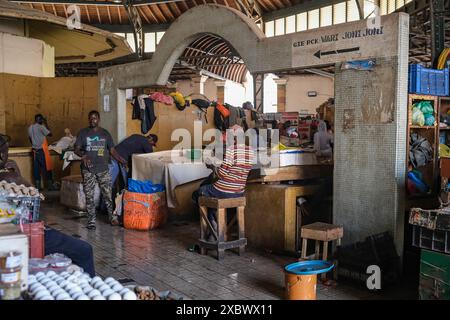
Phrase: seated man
{"type": "Point", "coordinates": [79, 251]}
{"type": "Point", "coordinates": [323, 141]}
{"type": "Point", "coordinates": [231, 176]}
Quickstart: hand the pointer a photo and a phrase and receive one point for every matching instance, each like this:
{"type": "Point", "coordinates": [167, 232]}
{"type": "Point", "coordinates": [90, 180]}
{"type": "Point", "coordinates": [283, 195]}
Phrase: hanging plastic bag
{"type": "Point", "coordinates": [418, 118]}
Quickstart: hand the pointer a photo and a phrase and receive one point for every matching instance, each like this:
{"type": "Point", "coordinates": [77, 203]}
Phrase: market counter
{"type": "Point", "coordinates": [271, 221]}
{"type": "Point", "coordinates": [297, 172]}
{"type": "Point", "coordinates": [23, 156]}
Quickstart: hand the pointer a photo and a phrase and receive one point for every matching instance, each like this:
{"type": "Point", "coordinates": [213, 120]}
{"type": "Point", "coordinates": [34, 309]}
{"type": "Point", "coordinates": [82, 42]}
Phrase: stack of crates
{"type": "Point", "coordinates": [431, 233]}
{"type": "Point", "coordinates": [377, 250]}
{"type": "Point", "coordinates": [428, 81]}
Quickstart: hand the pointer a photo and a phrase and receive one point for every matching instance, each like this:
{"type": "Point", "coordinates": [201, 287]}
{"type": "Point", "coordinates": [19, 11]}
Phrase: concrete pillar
{"type": "Point", "coordinates": [2, 106]}
{"type": "Point", "coordinates": [198, 84]}
{"type": "Point", "coordinates": [281, 94]}
{"type": "Point", "coordinates": [220, 84]}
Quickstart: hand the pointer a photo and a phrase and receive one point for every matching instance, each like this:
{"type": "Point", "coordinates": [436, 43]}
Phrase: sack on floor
{"type": "Point", "coordinates": [143, 211]}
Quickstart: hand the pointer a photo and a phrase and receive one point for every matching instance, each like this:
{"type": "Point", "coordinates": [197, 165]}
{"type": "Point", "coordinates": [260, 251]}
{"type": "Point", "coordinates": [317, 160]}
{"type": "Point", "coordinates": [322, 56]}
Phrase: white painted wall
{"type": "Point", "coordinates": [26, 56]}
{"type": "Point", "coordinates": [297, 88]}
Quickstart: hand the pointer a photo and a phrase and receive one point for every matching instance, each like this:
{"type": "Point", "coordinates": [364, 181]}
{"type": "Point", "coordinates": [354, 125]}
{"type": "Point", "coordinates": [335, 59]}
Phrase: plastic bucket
{"type": "Point", "coordinates": [301, 278]}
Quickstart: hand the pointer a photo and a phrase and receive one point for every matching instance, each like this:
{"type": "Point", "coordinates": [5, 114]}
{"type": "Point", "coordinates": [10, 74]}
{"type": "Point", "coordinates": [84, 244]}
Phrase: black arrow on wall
{"type": "Point", "coordinates": [319, 53]}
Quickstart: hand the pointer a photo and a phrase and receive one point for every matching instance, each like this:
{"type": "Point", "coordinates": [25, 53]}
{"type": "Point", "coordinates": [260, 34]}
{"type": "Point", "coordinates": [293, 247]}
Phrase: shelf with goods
{"type": "Point", "coordinates": [444, 135]}
{"type": "Point", "coordinates": [429, 172]}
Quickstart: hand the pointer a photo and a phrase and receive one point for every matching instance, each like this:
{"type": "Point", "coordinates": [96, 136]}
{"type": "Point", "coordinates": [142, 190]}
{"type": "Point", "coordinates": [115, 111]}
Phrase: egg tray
{"type": "Point", "coordinates": [20, 190]}
{"type": "Point", "coordinates": [75, 286]}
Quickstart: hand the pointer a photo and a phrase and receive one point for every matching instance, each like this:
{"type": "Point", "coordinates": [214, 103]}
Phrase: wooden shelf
{"type": "Point", "coordinates": [414, 96]}
{"type": "Point", "coordinates": [422, 127]}
{"type": "Point", "coordinates": [431, 133]}
{"type": "Point", "coordinates": [444, 128]}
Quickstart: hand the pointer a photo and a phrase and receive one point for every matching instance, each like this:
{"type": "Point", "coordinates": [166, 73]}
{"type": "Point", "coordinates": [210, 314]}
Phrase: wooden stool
{"type": "Point", "coordinates": [221, 236]}
{"type": "Point", "coordinates": [321, 232]}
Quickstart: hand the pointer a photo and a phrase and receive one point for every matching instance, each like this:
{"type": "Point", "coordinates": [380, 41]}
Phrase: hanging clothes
{"type": "Point", "coordinates": [149, 116]}
{"type": "Point", "coordinates": [136, 113]}
{"type": "Point", "coordinates": [220, 121]}
{"type": "Point", "coordinates": [48, 158]}
{"type": "Point", "coordinates": [234, 116]}
{"type": "Point", "coordinates": [161, 97]}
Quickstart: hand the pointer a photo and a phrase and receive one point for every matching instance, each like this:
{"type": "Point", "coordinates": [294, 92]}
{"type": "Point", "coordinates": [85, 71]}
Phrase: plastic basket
{"type": "Point", "coordinates": [428, 81]}
{"type": "Point", "coordinates": [33, 204]}
{"type": "Point", "coordinates": [144, 211]}
{"type": "Point", "coordinates": [436, 240]}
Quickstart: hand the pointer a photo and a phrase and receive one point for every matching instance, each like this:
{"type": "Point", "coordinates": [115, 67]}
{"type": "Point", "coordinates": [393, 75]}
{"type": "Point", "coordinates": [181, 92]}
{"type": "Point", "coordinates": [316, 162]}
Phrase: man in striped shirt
{"type": "Point", "coordinates": [231, 175]}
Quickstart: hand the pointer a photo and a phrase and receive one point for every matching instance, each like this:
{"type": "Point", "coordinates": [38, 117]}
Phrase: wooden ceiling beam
{"type": "Point", "coordinates": [142, 14]}
{"type": "Point", "coordinates": [159, 13]}
{"type": "Point", "coordinates": [109, 15]}
{"type": "Point", "coordinates": [87, 13]}
{"type": "Point", "coordinates": [54, 10]}
{"type": "Point", "coordinates": [278, 4]}
{"type": "Point", "coordinates": [65, 11]}
{"type": "Point", "coordinates": [98, 15]}
{"type": "Point", "coordinates": [165, 9]}
{"type": "Point", "coordinates": [262, 4]}
{"type": "Point", "coordinates": [184, 5]}
{"type": "Point", "coordinates": [119, 15]}
{"type": "Point", "coordinates": [175, 8]}
{"type": "Point", "coordinates": [150, 11]}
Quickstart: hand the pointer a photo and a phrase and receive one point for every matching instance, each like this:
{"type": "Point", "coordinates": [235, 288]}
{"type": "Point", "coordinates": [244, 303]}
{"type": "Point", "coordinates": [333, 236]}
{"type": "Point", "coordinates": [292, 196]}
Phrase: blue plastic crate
{"type": "Point", "coordinates": [428, 81]}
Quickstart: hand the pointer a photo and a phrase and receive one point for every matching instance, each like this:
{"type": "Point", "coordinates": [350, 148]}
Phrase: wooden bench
{"type": "Point", "coordinates": [222, 236]}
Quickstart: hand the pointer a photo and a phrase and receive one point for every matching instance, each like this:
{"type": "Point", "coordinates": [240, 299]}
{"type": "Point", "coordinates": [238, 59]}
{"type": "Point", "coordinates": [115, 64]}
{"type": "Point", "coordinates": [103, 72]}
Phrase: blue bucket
{"type": "Point", "coordinates": [309, 267]}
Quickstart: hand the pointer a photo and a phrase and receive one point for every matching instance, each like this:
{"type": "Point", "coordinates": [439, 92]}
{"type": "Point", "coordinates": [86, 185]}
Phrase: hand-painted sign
{"type": "Point", "coordinates": [345, 42]}
{"type": "Point", "coordinates": [319, 53]}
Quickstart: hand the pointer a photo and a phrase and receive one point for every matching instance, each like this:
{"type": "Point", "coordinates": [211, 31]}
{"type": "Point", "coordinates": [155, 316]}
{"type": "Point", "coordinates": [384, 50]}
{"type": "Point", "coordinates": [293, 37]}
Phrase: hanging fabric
{"type": "Point", "coordinates": [149, 116]}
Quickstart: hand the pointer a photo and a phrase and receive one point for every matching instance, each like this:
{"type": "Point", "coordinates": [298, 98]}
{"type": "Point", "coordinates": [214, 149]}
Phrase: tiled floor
{"type": "Point", "coordinates": [161, 259]}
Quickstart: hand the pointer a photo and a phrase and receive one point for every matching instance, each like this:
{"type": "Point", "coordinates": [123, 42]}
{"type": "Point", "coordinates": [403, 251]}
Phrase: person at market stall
{"type": "Point", "coordinates": [323, 141]}
{"type": "Point", "coordinates": [134, 144]}
{"type": "Point", "coordinates": [231, 175]}
{"type": "Point", "coordinates": [79, 251]}
{"type": "Point", "coordinates": [42, 162]}
{"type": "Point", "coordinates": [95, 145]}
